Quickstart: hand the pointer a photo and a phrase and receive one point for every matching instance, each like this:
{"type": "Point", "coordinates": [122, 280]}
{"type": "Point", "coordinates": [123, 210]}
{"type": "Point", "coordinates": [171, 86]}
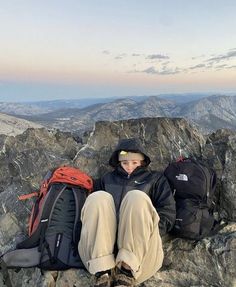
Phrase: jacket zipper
{"type": "Point", "coordinates": [123, 189]}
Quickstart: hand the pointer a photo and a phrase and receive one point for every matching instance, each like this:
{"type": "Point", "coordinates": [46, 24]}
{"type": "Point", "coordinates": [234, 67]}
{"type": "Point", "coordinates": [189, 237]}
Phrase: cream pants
{"type": "Point", "coordinates": [137, 234]}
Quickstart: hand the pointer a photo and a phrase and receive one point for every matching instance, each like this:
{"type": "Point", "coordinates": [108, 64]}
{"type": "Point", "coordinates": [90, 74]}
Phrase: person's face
{"type": "Point", "coordinates": [130, 165]}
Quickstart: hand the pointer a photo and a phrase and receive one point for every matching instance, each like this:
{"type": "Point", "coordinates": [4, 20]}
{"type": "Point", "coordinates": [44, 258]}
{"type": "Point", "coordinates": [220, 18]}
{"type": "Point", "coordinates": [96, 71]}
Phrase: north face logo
{"type": "Point", "coordinates": [182, 177]}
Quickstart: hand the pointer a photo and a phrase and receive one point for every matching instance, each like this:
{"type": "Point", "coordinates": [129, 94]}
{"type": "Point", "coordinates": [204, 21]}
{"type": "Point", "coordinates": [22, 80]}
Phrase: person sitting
{"type": "Point", "coordinates": [124, 218]}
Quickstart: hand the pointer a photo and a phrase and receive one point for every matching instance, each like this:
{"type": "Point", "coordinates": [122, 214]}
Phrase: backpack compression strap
{"type": "Point", "coordinates": [28, 196]}
{"type": "Point", "coordinates": [80, 196]}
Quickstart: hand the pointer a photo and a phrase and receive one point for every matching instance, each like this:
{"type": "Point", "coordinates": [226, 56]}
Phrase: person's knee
{"type": "Point", "coordinates": [136, 198]}
{"type": "Point", "coordinates": [99, 198]}
{"type": "Point", "coordinates": [100, 195]}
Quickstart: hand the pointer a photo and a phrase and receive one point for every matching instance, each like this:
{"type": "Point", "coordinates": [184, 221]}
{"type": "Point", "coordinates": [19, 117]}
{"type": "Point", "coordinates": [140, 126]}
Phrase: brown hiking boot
{"type": "Point", "coordinates": [123, 280]}
{"type": "Point", "coordinates": [104, 280]}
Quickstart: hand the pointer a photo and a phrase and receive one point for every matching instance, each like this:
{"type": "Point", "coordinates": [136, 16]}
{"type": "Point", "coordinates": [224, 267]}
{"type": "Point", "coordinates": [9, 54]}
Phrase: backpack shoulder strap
{"type": "Point", "coordinates": [48, 202]}
{"type": "Point", "coordinates": [80, 195]}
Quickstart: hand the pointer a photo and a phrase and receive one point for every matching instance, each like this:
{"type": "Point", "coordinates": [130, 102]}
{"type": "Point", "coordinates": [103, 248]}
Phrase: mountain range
{"type": "Point", "coordinates": [11, 126]}
{"type": "Point", "coordinates": [208, 113]}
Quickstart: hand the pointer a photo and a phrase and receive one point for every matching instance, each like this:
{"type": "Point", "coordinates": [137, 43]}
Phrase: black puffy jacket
{"type": "Point", "coordinates": [153, 183]}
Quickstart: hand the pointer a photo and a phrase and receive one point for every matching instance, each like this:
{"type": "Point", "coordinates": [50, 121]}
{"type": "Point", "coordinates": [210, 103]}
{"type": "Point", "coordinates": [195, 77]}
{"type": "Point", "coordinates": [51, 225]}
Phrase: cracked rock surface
{"type": "Point", "coordinates": [26, 158]}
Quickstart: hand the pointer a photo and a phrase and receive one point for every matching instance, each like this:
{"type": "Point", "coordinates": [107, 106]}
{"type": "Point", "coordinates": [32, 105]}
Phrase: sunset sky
{"type": "Point", "coordinates": [102, 48]}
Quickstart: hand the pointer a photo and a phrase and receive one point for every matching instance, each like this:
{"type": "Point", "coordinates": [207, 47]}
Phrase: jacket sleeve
{"type": "Point", "coordinates": [98, 184]}
{"type": "Point", "coordinates": [164, 203]}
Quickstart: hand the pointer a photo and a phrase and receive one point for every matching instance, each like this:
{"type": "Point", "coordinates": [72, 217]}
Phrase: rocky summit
{"type": "Point", "coordinates": [25, 158]}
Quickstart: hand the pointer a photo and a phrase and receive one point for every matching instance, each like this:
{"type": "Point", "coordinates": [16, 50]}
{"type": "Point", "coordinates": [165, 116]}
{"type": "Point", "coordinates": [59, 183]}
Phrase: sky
{"type": "Point", "coordinates": [67, 49]}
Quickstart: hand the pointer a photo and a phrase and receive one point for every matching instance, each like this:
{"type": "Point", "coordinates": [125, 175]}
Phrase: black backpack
{"type": "Point", "coordinates": [193, 185]}
{"type": "Point", "coordinates": [55, 224]}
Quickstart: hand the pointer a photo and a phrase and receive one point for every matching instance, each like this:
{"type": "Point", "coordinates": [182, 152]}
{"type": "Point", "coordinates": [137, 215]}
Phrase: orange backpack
{"type": "Point", "coordinates": [64, 174]}
{"type": "Point", "coordinates": [55, 226]}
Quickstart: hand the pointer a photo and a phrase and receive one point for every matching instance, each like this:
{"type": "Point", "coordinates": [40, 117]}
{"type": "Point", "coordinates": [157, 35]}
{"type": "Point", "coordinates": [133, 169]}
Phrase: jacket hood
{"type": "Point", "coordinates": [132, 145]}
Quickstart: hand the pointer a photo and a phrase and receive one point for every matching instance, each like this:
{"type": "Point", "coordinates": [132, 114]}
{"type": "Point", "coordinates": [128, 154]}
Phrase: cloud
{"type": "Point", "coordinates": [221, 66]}
{"type": "Point", "coordinates": [197, 66]}
{"type": "Point", "coordinates": [216, 62]}
{"type": "Point", "coordinates": [210, 65]}
{"type": "Point", "coordinates": [150, 70]}
{"type": "Point", "coordinates": [163, 71]}
{"type": "Point", "coordinates": [165, 63]}
{"type": "Point", "coordinates": [106, 52]}
{"type": "Point", "coordinates": [120, 56]}
{"type": "Point", "coordinates": [227, 56]}
{"type": "Point", "coordinates": [136, 55]}
{"type": "Point", "coordinates": [167, 71]}
{"type": "Point", "coordinates": [156, 57]}
{"type": "Point", "coordinates": [231, 67]}
{"type": "Point", "coordinates": [198, 57]}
